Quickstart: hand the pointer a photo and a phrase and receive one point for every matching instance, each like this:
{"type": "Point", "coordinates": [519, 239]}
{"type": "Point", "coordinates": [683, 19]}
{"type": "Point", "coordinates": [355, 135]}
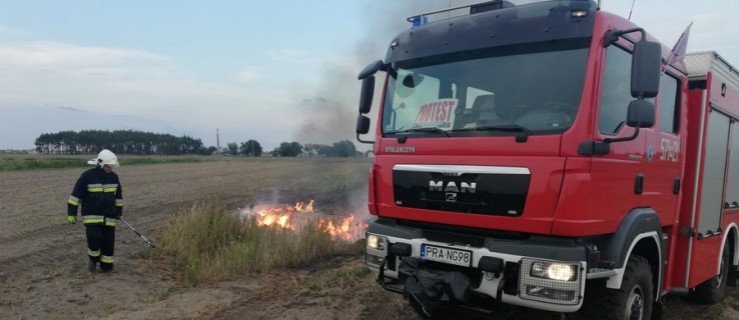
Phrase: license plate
{"type": "Point", "coordinates": [446, 255]}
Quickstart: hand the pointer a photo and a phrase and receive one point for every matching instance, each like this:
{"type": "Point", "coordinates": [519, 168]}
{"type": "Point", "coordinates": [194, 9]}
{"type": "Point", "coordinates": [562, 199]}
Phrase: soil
{"type": "Point", "coordinates": [43, 259]}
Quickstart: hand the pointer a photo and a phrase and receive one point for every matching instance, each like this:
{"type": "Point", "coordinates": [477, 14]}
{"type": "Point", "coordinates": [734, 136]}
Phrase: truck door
{"type": "Point", "coordinates": [644, 172]}
{"type": "Point", "coordinates": [614, 174]}
{"type": "Point", "coordinates": [663, 165]}
{"type": "Point", "coordinates": [714, 171]}
{"type": "Point", "coordinates": [707, 224]}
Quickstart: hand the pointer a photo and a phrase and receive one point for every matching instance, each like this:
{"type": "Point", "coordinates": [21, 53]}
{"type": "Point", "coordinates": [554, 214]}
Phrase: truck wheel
{"type": "Point", "coordinates": [633, 301]}
{"type": "Point", "coordinates": [713, 290]}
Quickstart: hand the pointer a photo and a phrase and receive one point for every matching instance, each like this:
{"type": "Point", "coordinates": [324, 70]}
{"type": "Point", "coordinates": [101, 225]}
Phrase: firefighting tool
{"type": "Point", "coordinates": [138, 233]}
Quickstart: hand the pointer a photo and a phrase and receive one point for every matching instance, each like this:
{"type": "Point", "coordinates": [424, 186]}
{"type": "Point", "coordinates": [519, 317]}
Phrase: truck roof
{"type": "Point", "coordinates": [486, 28]}
{"type": "Point", "coordinates": [700, 63]}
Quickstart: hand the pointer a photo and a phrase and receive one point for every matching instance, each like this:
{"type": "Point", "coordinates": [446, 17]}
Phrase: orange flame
{"type": "Point", "coordinates": [345, 229]}
{"type": "Point", "coordinates": [288, 217]}
{"type": "Point", "coordinates": [282, 216]}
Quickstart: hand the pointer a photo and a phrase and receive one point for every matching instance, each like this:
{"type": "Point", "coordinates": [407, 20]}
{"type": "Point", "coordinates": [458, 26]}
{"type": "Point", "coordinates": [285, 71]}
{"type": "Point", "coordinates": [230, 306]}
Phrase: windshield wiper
{"type": "Point", "coordinates": [424, 129]}
{"type": "Point", "coordinates": [505, 128]}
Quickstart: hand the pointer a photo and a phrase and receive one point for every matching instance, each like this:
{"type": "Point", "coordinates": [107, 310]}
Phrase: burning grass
{"type": "Point", "coordinates": [209, 243]}
{"type": "Point", "coordinates": [301, 214]}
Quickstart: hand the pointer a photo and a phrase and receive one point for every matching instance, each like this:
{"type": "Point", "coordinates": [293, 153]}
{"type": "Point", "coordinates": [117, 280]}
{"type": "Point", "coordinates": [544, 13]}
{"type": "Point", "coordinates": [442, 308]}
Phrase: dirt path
{"type": "Point", "coordinates": [42, 259]}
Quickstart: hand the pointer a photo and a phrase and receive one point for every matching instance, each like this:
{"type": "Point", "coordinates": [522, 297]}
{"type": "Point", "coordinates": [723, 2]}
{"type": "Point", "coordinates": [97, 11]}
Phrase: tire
{"type": "Point", "coordinates": [633, 301]}
{"type": "Point", "coordinates": [714, 290]}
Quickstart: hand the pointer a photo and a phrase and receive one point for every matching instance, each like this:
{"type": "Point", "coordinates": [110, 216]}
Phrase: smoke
{"type": "Point", "coordinates": [330, 115]}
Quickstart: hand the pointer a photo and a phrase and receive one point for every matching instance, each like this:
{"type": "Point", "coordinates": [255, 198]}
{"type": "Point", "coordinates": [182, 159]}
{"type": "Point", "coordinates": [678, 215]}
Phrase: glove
{"type": "Point", "coordinates": [118, 215]}
{"type": "Point", "coordinates": [71, 219]}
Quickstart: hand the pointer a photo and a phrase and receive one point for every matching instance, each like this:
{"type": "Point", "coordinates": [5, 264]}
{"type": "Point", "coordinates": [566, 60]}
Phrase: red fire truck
{"type": "Point", "coordinates": [552, 156]}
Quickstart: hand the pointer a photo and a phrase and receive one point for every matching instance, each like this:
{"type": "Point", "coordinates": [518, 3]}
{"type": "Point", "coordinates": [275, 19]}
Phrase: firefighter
{"type": "Point", "coordinates": [99, 192]}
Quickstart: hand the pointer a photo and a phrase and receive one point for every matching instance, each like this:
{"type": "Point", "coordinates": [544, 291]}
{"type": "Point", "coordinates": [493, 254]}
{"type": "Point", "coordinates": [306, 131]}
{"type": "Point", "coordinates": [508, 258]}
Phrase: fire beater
{"type": "Point", "coordinates": [551, 156]}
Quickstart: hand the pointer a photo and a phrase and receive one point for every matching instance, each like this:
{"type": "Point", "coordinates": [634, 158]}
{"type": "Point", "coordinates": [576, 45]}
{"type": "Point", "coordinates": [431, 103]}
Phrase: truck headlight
{"type": "Point", "coordinates": [556, 282]}
{"type": "Point", "coordinates": [554, 270]}
{"type": "Point", "coordinates": [376, 250]}
{"type": "Point", "coordinates": [376, 242]}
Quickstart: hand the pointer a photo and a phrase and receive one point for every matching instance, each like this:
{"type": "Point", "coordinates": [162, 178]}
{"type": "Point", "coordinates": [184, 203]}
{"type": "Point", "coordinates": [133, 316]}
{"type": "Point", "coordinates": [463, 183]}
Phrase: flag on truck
{"type": "Point", "coordinates": [678, 51]}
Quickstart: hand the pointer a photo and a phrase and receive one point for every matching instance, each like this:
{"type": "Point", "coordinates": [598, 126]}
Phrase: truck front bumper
{"type": "Point", "coordinates": [546, 273]}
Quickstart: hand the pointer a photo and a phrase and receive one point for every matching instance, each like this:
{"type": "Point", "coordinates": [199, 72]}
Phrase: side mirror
{"type": "Point", "coordinates": [363, 124]}
{"type": "Point", "coordinates": [640, 114]}
{"type": "Point", "coordinates": [370, 69]}
{"type": "Point", "coordinates": [365, 96]}
{"type": "Point", "coordinates": [646, 67]}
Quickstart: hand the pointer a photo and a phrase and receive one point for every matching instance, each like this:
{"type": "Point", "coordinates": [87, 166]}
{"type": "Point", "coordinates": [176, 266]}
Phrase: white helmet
{"type": "Point", "coordinates": [105, 157]}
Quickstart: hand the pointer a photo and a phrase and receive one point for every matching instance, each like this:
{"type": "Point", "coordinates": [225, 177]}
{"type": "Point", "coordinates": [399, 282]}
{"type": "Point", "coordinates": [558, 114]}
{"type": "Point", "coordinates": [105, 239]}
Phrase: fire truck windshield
{"type": "Point", "coordinates": [535, 87]}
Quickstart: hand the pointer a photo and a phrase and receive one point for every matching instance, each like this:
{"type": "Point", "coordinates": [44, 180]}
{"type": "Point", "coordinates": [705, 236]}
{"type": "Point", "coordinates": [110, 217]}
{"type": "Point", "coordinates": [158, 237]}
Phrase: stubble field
{"type": "Point", "coordinates": [42, 259]}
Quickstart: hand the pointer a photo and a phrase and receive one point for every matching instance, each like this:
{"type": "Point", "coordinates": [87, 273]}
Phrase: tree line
{"type": "Point", "coordinates": [148, 143]}
{"type": "Point", "coordinates": [119, 141]}
{"type": "Point", "coordinates": [252, 148]}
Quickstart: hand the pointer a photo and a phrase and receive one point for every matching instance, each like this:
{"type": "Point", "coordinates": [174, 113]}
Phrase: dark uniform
{"type": "Point", "coordinates": [101, 197]}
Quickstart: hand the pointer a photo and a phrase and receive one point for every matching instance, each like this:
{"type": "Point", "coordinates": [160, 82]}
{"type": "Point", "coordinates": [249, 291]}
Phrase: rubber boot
{"type": "Point", "coordinates": [91, 265]}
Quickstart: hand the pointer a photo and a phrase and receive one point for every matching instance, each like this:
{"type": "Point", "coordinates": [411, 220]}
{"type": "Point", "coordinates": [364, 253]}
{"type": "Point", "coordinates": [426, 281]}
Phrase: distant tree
{"type": "Point", "coordinates": [209, 150]}
{"type": "Point", "coordinates": [311, 149]}
{"type": "Point", "coordinates": [251, 148]}
{"type": "Point", "coordinates": [118, 141]}
{"type": "Point", "coordinates": [325, 150]}
{"type": "Point", "coordinates": [345, 149]}
{"type": "Point", "coordinates": [288, 149]}
{"type": "Point", "coordinates": [233, 148]}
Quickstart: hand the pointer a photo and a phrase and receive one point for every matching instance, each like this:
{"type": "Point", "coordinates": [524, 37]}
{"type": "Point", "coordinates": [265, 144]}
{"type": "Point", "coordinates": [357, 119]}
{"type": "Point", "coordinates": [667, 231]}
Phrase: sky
{"type": "Point", "coordinates": [272, 71]}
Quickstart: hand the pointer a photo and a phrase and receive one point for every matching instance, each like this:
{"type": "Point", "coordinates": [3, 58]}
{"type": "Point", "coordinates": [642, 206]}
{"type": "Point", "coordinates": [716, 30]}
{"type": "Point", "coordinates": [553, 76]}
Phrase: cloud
{"type": "Point", "coordinates": [72, 109]}
{"type": "Point", "coordinates": [43, 73]}
{"type": "Point", "coordinates": [248, 75]}
{"type": "Point", "coordinates": [57, 73]}
{"type": "Point", "coordinates": [54, 56]}
{"type": "Point", "coordinates": [297, 56]}
{"type": "Point", "coordinates": [10, 32]}
{"type": "Point", "coordinates": [130, 89]}
{"type": "Point", "coordinates": [713, 23]}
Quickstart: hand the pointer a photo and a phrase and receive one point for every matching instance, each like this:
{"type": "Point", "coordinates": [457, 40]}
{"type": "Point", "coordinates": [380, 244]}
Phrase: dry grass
{"type": "Point", "coordinates": [208, 244]}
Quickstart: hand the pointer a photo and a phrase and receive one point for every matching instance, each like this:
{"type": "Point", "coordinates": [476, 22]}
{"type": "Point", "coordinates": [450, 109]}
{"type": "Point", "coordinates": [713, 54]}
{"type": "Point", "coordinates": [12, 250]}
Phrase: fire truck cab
{"type": "Point", "coordinates": [552, 156]}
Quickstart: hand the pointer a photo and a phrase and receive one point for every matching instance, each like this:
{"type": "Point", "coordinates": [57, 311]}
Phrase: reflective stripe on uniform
{"type": "Point", "coordinates": [93, 219]}
{"type": "Point", "coordinates": [93, 253]}
{"type": "Point", "coordinates": [106, 259]}
{"type": "Point", "coordinates": [73, 200]}
{"type": "Point", "coordinates": [110, 187]}
{"type": "Point", "coordinates": [110, 222]}
{"type": "Point", "coordinates": [95, 187]}
{"type": "Point", "coordinates": [118, 202]}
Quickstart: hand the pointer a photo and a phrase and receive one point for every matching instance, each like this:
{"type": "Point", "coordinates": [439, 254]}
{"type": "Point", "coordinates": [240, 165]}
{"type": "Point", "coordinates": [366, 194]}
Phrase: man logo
{"type": "Point", "coordinates": [451, 197]}
{"type": "Point", "coordinates": [451, 186]}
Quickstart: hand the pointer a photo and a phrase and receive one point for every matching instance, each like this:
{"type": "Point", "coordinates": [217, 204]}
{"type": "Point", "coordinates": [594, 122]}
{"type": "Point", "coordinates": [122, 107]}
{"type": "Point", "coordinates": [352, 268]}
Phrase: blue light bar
{"type": "Point", "coordinates": [418, 21]}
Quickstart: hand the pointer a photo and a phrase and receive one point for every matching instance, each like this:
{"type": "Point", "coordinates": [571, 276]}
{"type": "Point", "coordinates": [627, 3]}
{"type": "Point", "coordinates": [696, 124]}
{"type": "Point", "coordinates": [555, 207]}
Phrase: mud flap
{"type": "Point", "coordinates": [430, 287]}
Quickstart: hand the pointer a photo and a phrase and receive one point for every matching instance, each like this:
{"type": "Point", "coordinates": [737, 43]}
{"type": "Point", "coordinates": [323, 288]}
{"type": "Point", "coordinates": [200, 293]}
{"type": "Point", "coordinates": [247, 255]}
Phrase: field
{"type": "Point", "coordinates": [42, 259]}
{"type": "Point", "coordinates": [18, 162]}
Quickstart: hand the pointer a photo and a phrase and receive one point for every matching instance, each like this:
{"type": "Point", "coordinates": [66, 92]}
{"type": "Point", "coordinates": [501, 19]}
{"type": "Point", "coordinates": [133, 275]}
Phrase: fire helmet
{"type": "Point", "coordinates": [105, 157]}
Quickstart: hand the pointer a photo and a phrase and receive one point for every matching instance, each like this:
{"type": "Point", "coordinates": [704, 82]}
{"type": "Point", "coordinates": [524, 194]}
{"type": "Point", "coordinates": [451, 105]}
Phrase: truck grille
{"type": "Point", "coordinates": [468, 189]}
